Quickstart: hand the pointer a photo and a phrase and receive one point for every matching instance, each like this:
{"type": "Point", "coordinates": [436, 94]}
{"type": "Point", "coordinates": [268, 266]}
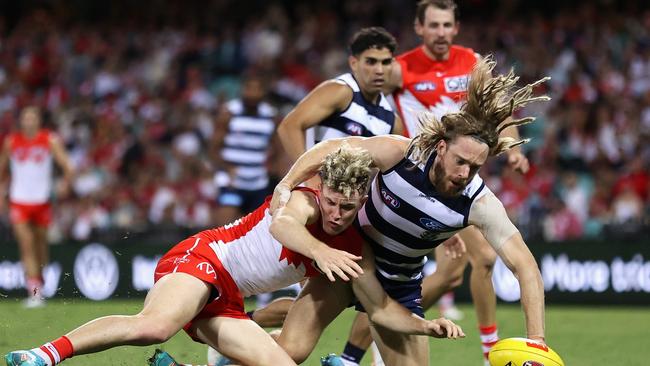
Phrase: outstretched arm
{"type": "Point", "coordinates": [489, 216]}
{"type": "Point", "coordinates": [388, 313]}
{"type": "Point", "coordinates": [288, 227]}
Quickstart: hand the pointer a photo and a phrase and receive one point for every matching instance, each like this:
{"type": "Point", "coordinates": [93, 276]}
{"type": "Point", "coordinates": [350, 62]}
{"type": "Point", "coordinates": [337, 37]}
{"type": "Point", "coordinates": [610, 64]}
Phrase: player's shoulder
{"type": "Point", "coordinates": [464, 53]}
{"type": "Point", "coordinates": [410, 54]}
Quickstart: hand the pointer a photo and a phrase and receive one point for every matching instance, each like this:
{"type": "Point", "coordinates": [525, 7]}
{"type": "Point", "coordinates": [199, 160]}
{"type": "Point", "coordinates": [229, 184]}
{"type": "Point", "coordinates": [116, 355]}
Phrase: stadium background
{"type": "Point", "coordinates": [132, 88]}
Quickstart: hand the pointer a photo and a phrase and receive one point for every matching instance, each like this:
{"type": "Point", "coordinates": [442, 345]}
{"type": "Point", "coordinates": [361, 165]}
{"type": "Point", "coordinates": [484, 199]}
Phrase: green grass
{"type": "Point", "coordinates": [583, 336]}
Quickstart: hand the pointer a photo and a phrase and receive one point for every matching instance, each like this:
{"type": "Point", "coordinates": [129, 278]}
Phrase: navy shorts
{"type": "Point", "coordinates": [247, 201]}
{"type": "Point", "coordinates": [408, 294]}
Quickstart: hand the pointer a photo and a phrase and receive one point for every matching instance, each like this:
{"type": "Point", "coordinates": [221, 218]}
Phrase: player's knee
{"type": "Point", "coordinates": [153, 330]}
{"type": "Point", "coordinates": [484, 263]}
{"type": "Point", "coordinates": [454, 281]}
{"type": "Point", "coordinates": [297, 352]}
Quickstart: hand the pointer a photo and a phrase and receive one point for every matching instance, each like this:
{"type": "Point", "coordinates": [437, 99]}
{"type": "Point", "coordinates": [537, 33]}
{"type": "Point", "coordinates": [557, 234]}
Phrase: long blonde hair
{"type": "Point", "coordinates": [490, 101]}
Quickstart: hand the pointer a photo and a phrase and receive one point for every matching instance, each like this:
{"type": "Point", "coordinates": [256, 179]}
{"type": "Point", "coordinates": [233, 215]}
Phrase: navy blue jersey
{"type": "Point", "coordinates": [360, 118]}
{"type": "Point", "coordinates": [405, 218]}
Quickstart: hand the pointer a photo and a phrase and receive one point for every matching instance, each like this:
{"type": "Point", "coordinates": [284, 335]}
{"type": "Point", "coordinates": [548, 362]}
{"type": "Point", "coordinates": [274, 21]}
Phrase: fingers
{"type": "Point", "coordinates": [444, 328]}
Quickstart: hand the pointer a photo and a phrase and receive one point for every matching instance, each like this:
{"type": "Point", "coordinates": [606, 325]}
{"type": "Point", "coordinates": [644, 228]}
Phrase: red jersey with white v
{"type": "Point", "coordinates": [256, 261]}
{"type": "Point", "coordinates": [31, 168]}
{"type": "Point", "coordinates": [437, 86]}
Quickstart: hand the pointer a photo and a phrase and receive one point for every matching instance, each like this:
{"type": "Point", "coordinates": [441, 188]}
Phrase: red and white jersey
{"type": "Point", "coordinates": [257, 262]}
{"type": "Point", "coordinates": [436, 86]}
{"type": "Point", "coordinates": [31, 168]}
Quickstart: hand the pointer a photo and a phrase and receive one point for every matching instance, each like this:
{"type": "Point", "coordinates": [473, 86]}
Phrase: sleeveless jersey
{"type": "Point", "coordinates": [246, 144]}
{"type": "Point", "coordinates": [437, 86]}
{"type": "Point", "coordinates": [405, 218]}
{"type": "Point", "coordinates": [257, 262]}
{"type": "Point", "coordinates": [360, 118]}
{"type": "Point", "coordinates": [31, 168]}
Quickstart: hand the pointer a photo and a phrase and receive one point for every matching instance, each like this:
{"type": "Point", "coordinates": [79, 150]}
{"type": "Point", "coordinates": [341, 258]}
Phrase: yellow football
{"type": "Point", "coordinates": [523, 352]}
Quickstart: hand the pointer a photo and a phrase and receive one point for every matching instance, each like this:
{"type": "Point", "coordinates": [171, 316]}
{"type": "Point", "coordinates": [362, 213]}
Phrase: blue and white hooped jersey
{"type": "Point", "coordinates": [405, 218]}
{"type": "Point", "coordinates": [246, 144]}
{"type": "Point", "coordinates": [360, 118]}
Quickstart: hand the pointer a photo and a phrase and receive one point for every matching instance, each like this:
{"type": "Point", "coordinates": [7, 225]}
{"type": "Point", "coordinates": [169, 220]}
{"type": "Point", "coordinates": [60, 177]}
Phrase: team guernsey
{"type": "Point", "coordinates": [31, 168]}
{"type": "Point", "coordinates": [360, 118]}
{"type": "Point", "coordinates": [429, 85]}
{"type": "Point", "coordinates": [246, 144]}
{"type": "Point", "coordinates": [243, 259]}
{"type": "Point", "coordinates": [405, 218]}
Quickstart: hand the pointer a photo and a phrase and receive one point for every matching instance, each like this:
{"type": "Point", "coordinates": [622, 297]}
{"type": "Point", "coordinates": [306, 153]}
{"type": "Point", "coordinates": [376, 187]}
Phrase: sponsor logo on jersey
{"type": "Point", "coordinates": [429, 198]}
{"type": "Point", "coordinates": [207, 268]}
{"type": "Point", "coordinates": [432, 224]}
{"type": "Point", "coordinates": [389, 199]}
{"type": "Point", "coordinates": [456, 84]}
{"type": "Point", "coordinates": [424, 86]}
{"type": "Point", "coordinates": [354, 128]}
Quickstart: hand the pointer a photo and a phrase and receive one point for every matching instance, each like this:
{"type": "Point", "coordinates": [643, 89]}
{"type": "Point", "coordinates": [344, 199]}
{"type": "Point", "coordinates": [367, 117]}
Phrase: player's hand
{"type": "Point", "coordinates": [281, 195]}
{"type": "Point", "coordinates": [518, 162]}
{"type": "Point", "coordinates": [444, 328]}
{"type": "Point", "coordinates": [454, 247]}
{"type": "Point", "coordinates": [538, 339]}
{"type": "Point", "coordinates": [333, 261]}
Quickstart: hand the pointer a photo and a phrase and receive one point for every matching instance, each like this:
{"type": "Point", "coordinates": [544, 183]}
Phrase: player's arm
{"type": "Point", "coordinates": [398, 126]}
{"type": "Point", "coordinates": [326, 99]}
{"type": "Point", "coordinates": [388, 313]}
{"type": "Point", "coordinates": [288, 228]}
{"type": "Point", "coordinates": [62, 159]}
{"type": "Point", "coordinates": [4, 160]}
{"type": "Point", "coordinates": [489, 216]}
{"type": "Point", "coordinates": [385, 151]}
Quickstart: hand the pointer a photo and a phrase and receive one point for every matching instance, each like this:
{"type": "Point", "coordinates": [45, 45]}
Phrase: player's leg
{"type": "Point", "coordinates": [401, 349]}
{"type": "Point", "coordinates": [242, 341]}
{"type": "Point", "coordinates": [358, 341]}
{"type": "Point", "coordinates": [273, 314]}
{"type": "Point", "coordinates": [448, 275]}
{"type": "Point", "coordinates": [28, 256]}
{"type": "Point", "coordinates": [172, 302]}
{"type": "Point", "coordinates": [482, 258]}
{"type": "Point", "coordinates": [319, 302]}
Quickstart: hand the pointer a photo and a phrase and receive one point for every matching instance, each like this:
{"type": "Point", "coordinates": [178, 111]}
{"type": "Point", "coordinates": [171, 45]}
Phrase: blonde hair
{"type": "Point", "coordinates": [347, 170]}
{"type": "Point", "coordinates": [490, 101]}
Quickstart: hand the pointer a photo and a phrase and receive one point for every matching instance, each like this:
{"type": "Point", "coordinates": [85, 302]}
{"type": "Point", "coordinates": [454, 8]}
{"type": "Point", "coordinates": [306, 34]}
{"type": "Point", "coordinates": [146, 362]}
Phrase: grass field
{"type": "Point", "coordinates": [583, 336]}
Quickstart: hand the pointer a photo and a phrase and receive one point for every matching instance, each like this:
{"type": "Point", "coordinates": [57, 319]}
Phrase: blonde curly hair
{"type": "Point", "coordinates": [347, 170]}
{"type": "Point", "coordinates": [490, 101]}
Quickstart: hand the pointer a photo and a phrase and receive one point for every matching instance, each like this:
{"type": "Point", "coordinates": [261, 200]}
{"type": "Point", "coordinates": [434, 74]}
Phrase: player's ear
{"type": "Point", "coordinates": [441, 147]}
{"type": "Point", "coordinates": [418, 27]}
{"type": "Point", "coordinates": [363, 200]}
{"type": "Point", "coordinates": [353, 61]}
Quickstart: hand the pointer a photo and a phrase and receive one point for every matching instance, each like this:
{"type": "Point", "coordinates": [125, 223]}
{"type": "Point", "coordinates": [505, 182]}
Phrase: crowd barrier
{"type": "Point", "coordinates": [580, 272]}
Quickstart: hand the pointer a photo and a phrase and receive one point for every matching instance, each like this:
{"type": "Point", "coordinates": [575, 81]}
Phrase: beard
{"type": "Point", "coordinates": [443, 184]}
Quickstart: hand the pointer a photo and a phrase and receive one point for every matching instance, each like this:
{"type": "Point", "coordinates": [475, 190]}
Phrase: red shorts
{"type": "Point", "coordinates": [194, 257]}
{"type": "Point", "coordinates": [40, 214]}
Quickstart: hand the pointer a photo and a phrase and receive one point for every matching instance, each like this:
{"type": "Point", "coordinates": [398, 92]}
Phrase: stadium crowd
{"type": "Point", "coordinates": [134, 98]}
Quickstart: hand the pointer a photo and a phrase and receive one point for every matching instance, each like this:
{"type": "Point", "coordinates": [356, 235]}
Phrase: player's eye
{"type": "Point", "coordinates": [387, 62]}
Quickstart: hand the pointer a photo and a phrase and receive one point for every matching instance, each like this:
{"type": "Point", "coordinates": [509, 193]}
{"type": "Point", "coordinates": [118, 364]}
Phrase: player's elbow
{"type": "Point", "coordinates": [279, 223]}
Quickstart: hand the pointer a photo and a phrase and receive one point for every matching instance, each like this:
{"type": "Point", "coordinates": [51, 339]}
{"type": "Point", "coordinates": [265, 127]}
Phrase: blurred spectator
{"type": "Point", "coordinates": [135, 102]}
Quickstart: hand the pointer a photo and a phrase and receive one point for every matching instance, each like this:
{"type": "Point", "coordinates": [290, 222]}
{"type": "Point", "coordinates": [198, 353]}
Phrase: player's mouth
{"type": "Point", "coordinates": [378, 82]}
